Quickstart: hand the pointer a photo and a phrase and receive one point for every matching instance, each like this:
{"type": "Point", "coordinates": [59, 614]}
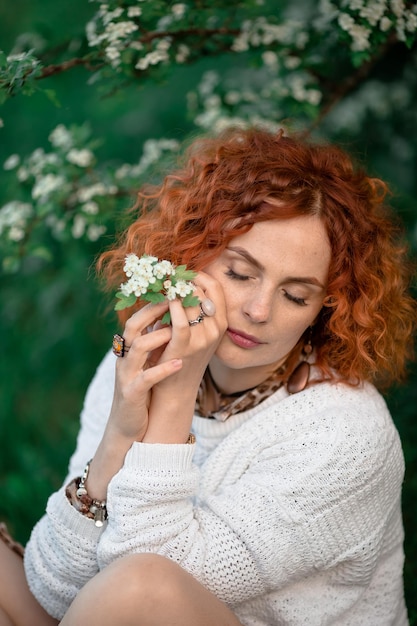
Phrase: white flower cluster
{"type": "Point", "coordinates": [65, 203]}
{"type": "Point", "coordinates": [45, 185]}
{"type": "Point", "coordinates": [372, 98]}
{"type": "Point", "coordinates": [158, 55]}
{"type": "Point", "coordinates": [81, 227]}
{"type": "Point", "coordinates": [61, 137]}
{"type": "Point", "coordinates": [260, 32]}
{"type": "Point", "coordinates": [82, 158]}
{"type": "Point", "coordinates": [13, 219]}
{"type": "Point", "coordinates": [379, 14]}
{"type": "Point", "coordinates": [86, 193]}
{"type": "Point", "coordinates": [257, 97]}
{"type": "Point", "coordinates": [115, 30]}
{"type": "Point", "coordinates": [153, 149]}
{"type": "Point", "coordinates": [144, 272]}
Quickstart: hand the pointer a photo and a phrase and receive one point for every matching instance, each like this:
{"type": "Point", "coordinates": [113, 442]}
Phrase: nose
{"type": "Point", "coordinates": [258, 308]}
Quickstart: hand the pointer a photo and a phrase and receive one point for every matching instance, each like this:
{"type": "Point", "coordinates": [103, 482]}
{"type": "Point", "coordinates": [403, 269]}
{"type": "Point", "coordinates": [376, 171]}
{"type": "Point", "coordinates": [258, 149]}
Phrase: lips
{"type": "Point", "coordinates": [242, 339]}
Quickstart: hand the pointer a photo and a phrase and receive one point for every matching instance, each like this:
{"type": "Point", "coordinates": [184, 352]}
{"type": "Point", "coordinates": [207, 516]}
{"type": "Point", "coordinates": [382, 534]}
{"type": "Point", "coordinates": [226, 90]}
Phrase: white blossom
{"type": "Point", "coordinates": [119, 30]}
{"type": "Point", "coordinates": [78, 227]}
{"type": "Point", "coordinates": [90, 208]}
{"type": "Point", "coordinates": [11, 162]}
{"type": "Point", "coordinates": [143, 272]}
{"type": "Point", "coordinates": [84, 194]}
{"type": "Point", "coordinates": [113, 54]}
{"type": "Point", "coordinates": [61, 137]}
{"type": "Point", "coordinates": [373, 11]}
{"type": "Point", "coordinates": [232, 97]}
{"type": "Point", "coordinates": [346, 21]}
{"type": "Point", "coordinates": [360, 34]}
{"type": "Point", "coordinates": [162, 268]}
{"type": "Point", "coordinates": [385, 24]}
{"type": "Point", "coordinates": [134, 12]}
{"type": "Point", "coordinates": [46, 185]}
{"type": "Point", "coordinates": [291, 62]}
{"type": "Point", "coordinates": [22, 174]}
{"type": "Point", "coordinates": [15, 214]}
{"type": "Point", "coordinates": [16, 233]}
{"type": "Point", "coordinates": [82, 158]}
{"type": "Point", "coordinates": [39, 159]}
{"type": "Point", "coordinates": [182, 54]}
{"type": "Point", "coordinates": [360, 37]}
{"type": "Point", "coordinates": [171, 293]}
{"type": "Point", "coordinates": [183, 288]}
{"type": "Point", "coordinates": [56, 225]}
{"type": "Point", "coordinates": [94, 232]}
{"type": "Point", "coordinates": [109, 16]}
{"type": "Point", "coordinates": [136, 45]}
{"type": "Point", "coordinates": [178, 10]}
{"type": "Point", "coordinates": [411, 23]}
{"type": "Point", "coordinates": [270, 58]}
{"type": "Point", "coordinates": [398, 7]}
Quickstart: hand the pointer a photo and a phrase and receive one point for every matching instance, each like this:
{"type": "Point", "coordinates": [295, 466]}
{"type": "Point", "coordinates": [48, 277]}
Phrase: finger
{"type": "Point", "coordinates": [211, 289]}
{"type": "Point", "coordinates": [142, 319]}
{"type": "Point", "coordinates": [141, 347]}
{"type": "Point", "coordinates": [154, 375]}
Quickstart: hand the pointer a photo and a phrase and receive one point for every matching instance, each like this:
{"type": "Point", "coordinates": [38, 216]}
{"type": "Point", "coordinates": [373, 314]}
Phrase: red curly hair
{"type": "Point", "coordinates": [227, 183]}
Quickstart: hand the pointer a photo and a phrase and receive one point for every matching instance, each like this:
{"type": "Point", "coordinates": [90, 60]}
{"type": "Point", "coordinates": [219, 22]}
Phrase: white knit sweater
{"type": "Point", "coordinates": [289, 512]}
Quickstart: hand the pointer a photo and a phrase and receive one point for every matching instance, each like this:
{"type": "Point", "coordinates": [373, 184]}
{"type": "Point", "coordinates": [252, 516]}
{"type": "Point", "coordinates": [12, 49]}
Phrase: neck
{"type": "Point", "coordinates": [229, 381]}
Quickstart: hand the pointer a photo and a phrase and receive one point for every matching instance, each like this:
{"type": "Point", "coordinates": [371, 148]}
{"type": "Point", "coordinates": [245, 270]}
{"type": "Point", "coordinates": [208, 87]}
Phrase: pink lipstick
{"type": "Point", "coordinates": [242, 339]}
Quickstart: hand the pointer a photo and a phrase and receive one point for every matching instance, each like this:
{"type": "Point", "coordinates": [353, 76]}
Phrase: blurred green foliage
{"type": "Point", "coordinates": [55, 322]}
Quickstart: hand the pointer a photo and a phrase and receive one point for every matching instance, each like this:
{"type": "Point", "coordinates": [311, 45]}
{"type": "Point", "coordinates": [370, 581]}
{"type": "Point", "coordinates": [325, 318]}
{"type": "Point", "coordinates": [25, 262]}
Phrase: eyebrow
{"type": "Point", "coordinates": [308, 280]}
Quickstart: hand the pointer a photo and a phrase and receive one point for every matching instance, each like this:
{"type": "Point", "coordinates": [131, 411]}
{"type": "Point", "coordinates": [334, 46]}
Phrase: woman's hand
{"type": "Point", "coordinates": [135, 377]}
{"type": "Point", "coordinates": [173, 398]}
{"type": "Point", "coordinates": [157, 380]}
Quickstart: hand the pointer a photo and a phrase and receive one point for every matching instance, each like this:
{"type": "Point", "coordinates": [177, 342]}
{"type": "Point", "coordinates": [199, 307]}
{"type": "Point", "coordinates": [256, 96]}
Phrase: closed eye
{"type": "Point", "coordinates": [295, 299]}
{"type": "Point", "coordinates": [232, 274]}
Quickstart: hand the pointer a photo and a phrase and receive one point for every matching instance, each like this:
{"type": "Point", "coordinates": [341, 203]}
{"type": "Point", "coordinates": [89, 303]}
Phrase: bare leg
{"type": "Point", "coordinates": [4, 620]}
{"type": "Point", "coordinates": [18, 607]}
{"type": "Point", "coordinates": [147, 590]}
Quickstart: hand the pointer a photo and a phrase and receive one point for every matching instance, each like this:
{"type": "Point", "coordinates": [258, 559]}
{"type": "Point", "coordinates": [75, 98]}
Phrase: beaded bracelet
{"type": "Point", "coordinates": [78, 497]}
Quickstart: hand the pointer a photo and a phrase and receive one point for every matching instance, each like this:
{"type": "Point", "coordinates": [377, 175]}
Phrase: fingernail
{"type": "Point", "coordinates": [177, 362]}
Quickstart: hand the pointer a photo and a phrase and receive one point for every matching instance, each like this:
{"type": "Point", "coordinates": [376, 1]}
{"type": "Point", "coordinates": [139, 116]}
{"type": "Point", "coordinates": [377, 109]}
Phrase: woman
{"type": "Point", "coordinates": [287, 507]}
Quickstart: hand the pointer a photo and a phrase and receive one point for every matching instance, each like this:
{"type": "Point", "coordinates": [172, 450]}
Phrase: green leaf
{"type": "Point", "coordinates": [181, 273]}
{"type": "Point", "coordinates": [190, 300]}
{"type": "Point", "coordinates": [51, 95]}
{"type": "Point", "coordinates": [42, 253]}
{"type": "Point", "coordinates": [156, 286]}
{"type": "Point", "coordinates": [11, 264]}
{"type": "Point", "coordinates": [124, 301]}
{"type": "Point", "coordinates": [153, 297]}
{"type": "Point", "coordinates": [166, 318]}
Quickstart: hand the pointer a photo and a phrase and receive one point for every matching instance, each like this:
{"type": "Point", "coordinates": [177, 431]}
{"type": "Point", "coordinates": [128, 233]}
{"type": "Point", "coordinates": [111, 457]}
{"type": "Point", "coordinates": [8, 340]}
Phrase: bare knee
{"type": "Point", "coordinates": [146, 590]}
{"type": "Point", "coordinates": [150, 578]}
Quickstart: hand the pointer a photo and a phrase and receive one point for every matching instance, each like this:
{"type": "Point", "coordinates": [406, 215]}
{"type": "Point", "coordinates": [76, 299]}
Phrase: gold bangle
{"type": "Point", "coordinates": [191, 438]}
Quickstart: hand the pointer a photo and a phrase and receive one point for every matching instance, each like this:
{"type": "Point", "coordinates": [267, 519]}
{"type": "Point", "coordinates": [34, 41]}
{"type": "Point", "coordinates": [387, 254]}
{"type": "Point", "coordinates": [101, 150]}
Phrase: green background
{"type": "Point", "coordinates": [56, 324]}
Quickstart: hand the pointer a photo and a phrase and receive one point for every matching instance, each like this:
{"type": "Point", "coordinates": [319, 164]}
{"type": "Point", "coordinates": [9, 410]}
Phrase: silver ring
{"type": "Point", "coordinates": [207, 307]}
{"type": "Point", "coordinates": [197, 320]}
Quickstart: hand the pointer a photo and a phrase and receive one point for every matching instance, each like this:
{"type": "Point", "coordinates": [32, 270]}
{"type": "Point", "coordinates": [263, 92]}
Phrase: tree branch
{"type": "Point", "coordinates": [52, 69]}
{"type": "Point", "coordinates": [340, 90]}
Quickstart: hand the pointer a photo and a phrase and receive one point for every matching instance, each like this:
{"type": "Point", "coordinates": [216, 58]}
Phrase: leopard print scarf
{"type": "Point", "coordinates": [235, 403]}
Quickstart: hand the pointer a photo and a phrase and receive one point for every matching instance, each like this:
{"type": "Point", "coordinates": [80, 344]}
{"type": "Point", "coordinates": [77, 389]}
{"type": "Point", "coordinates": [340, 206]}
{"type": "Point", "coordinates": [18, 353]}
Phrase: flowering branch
{"type": "Point", "coordinates": [152, 280]}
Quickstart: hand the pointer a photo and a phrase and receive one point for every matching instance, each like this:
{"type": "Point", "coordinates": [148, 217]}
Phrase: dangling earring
{"type": "Point", "coordinates": [299, 378]}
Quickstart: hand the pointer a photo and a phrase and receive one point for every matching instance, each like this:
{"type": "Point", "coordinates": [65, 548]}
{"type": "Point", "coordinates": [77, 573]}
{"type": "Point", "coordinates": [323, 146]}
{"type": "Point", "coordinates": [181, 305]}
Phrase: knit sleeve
{"type": "Point", "coordinates": [60, 556]}
{"type": "Point", "coordinates": [301, 488]}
